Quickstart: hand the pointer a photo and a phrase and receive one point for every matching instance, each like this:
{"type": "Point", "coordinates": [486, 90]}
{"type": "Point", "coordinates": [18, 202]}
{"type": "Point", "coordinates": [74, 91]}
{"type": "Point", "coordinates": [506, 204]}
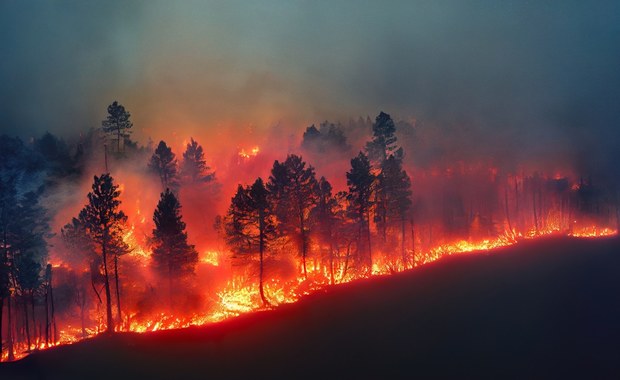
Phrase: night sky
{"type": "Point", "coordinates": [535, 76]}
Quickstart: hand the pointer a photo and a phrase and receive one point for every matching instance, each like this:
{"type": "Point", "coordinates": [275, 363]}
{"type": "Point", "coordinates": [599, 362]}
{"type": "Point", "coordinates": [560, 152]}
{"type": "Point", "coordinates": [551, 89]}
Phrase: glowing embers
{"type": "Point", "coordinates": [252, 152]}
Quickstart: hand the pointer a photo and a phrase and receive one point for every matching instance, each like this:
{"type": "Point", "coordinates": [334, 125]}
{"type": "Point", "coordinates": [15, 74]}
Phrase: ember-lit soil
{"type": "Point", "coordinates": [548, 308]}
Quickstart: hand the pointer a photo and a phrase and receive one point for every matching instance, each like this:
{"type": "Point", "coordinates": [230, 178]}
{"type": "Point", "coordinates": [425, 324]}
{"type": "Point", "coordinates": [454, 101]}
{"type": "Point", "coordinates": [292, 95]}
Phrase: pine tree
{"type": "Point", "coordinates": [117, 123]}
{"type": "Point", "coordinates": [164, 164]}
{"type": "Point", "coordinates": [249, 225]}
{"type": "Point", "coordinates": [395, 186]}
{"type": "Point", "coordinates": [194, 167]}
{"type": "Point", "coordinates": [172, 256]}
{"type": "Point", "coordinates": [383, 143]}
{"type": "Point", "coordinates": [360, 181]}
{"type": "Point", "coordinates": [8, 221]}
{"type": "Point", "coordinates": [30, 252]}
{"type": "Point", "coordinates": [293, 188]}
{"type": "Point", "coordinates": [104, 224]}
{"type": "Point", "coordinates": [323, 220]}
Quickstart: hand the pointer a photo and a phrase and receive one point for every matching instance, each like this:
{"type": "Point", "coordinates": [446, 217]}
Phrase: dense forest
{"type": "Point", "coordinates": [99, 233]}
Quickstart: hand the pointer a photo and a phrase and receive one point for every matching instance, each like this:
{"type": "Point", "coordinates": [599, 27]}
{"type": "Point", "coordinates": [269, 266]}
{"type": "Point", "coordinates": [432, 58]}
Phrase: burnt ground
{"type": "Point", "coordinates": [542, 309]}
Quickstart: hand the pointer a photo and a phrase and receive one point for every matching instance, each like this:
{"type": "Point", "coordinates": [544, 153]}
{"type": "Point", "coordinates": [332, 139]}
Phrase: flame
{"type": "Point", "coordinates": [253, 152]}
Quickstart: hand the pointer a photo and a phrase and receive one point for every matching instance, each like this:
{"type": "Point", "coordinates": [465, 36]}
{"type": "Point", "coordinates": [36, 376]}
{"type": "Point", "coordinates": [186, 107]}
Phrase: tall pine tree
{"type": "Point", "coordinates": [117, 123]}
{"type": "Point", "coordinates": [249, 225]}
{"type": "Point", "coordinates": [294, 192]}
{"type": "Point", "coordinates": [360, 180]}
{"type": "Point", "coordinates": [164, 164]}
{"type": "Point", "coordinates": [172, 256]}
{"type": "Point", "coordinates": [194, 168]}
{"type": "Point", "coordinates": [104, 224]}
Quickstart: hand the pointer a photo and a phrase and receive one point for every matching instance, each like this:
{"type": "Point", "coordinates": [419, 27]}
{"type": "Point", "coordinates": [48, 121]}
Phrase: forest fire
{"type": "Point", "coordinates": [128, 261]}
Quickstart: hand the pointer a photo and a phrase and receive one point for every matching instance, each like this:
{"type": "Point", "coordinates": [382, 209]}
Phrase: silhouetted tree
{"type": "Point", "coordinates": [384, 140]}
{"type": "Point", "coordinates": [293, 190]}
{"type": "Point", "coordinates": [104, 223]}
{"type": "Point", "coordinates": [164, 164]}
{"type": "Point", "coordinates": [117, 123]}
{"type": "Point", "coordinates": [81, 250]}
{"type": "Point", "coordinates": [360, 182]}
{"type": "Point", "coordinates": [323, 220]}
{"type": "Point", "coordinates": [8, 221]}
{"type": "Point", "coordinates": [249, 225]}
{"type": "Point", "coordinates": [172, 256]}
{"type": "Point", "coordinates": [395, 187]}
{"type": "Point", "coordinates": [329, 137]}
{"type": "Point", "coordinates": [30, 252]}
{"type": "Point", "coordinates": [194, 167]}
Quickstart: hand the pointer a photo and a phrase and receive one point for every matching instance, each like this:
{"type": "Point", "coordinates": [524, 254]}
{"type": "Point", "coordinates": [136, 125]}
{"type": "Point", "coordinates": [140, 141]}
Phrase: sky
{"type": "Point", "coordinates": [529, 76]}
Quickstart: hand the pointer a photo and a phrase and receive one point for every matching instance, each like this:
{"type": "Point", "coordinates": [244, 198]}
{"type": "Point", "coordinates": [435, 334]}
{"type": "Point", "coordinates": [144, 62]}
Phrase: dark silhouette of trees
{"type": "Point", "coordinates": [323, 221]}
{"type": "Point", "coordinates": [164, 164]}
{"type": "Point", "coordinates": [172, 256]}
{"type": "Point", "coordinates": [383, 143]}
{"type": "Point", "coordinates": [117, 123]}
{"type": "Point", "coordinates": [82, 251]}
{"type": "Point", "coordinates": [395, 187]}
{"type": "Point", "coordinates": [249, 225]}
{"type": "Point", "coordinates": [24, 227]}
{"type": "Point", "coordinates": [360, 180]}
{"type": "Point", "coordinates": [194, 167]}
{"type": "Point", "coordinates": [328, 137]}
{"type": "Point", "coordinates": [293, 191]}
{"type": "Point", "coordinates": [104, 222]}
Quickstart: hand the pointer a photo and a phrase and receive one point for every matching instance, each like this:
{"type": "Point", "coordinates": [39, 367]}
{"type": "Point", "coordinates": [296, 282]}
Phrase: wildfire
{"type": "Point", "coordinates": [253, 152]}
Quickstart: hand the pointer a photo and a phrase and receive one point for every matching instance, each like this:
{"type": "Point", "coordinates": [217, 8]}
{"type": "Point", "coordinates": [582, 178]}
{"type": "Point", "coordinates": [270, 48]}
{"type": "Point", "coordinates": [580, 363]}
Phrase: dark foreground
{"type": "Point", "coordinates": [543, 309]}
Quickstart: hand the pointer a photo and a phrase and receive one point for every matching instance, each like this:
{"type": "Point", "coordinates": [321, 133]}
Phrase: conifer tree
{"type": "Point", "coordinates": [104, 222]}
{"type": "Point", "coordinates": [293, 190]}
{"type": "Point", "coordinates": [172, 256]}
{"type": "Point", "coordinates": [117, 123]}
{"type": "Point", "coordinates": [360, 181]}
{"type": "Point", "coordinates": [194, 167]}
{"type": "Point", "coordinates": [249, 225]}
{"type": "Point", "coordinates": [164, 163]}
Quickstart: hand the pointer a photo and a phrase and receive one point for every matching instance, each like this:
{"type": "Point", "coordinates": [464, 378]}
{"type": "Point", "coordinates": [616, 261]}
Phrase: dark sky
{"type": "Point", "coordinates": [539, 76]}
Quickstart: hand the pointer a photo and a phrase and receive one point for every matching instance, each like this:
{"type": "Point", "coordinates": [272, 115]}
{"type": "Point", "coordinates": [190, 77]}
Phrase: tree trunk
{"type": "Point", "coordinates": [534, 207]}
{"type": "Point", "coordinates": [303, 242]}
{"type": "Point", "coordinates": [261, 247]}
{"type": "Point", "coordinates": [170, 283]}
{"type": "Point", "coordinates": [26, 323]}
{"type": "Point", "coordinates": [402, 244]}
{"type": "Point", "coordinates": [413, 242]}
{"type": "Point", "coordinates": [331, 260]}
{"type": "Point", "coordinates": [507, 210]}
{"type": "Point", "coordinates": [34, 321]}
{"type": "Point", "coordinates": [108, 305]}
{"type": "Point", "coordinates": [369, 246]}
{"type": "Point", "coordinates": [118, 292]}
{"type": "Point", "coordinates": [47, 315]}
{"type": "Point", "coordinates": [10, 329]}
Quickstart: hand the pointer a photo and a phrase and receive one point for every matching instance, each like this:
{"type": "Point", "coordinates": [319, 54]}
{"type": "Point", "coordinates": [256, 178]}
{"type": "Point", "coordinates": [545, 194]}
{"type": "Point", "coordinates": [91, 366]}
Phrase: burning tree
{"type": "Point", "coordinates": [82, 250]}
{"type": "Point", "coordinates": [323, 220]}
{"type": "Point", "coordinates": [395, 187]}
{"type": "Point", "coordinates": [172, 256]}
{"type": "Point", "coordinates": [104, 222]}
{"type": "Point", "coordinates": [194, 167]}
{"type": "Point", "coordinates": [360, 180]}
{"type": "Point", "coordinates": [293, 191]}
{"type": "Point", "coordinates": [117, 123]}
{"type": "Point", "coordinates": [249, 224]}
{"type": "Point", "coordinates": [164, 164]}
{"type": "Point", "coordinates": [383, 143]}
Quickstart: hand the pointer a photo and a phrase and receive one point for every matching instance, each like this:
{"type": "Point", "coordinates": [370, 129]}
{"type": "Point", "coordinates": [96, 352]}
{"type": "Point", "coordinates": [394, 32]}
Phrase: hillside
{"type": "Point", "coordinates": [544, 309]}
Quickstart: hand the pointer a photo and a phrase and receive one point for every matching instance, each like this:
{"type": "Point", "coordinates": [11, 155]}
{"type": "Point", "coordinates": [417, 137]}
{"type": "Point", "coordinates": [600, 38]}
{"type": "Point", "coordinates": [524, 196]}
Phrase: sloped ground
{"type": "Point", "coordinates": [541, 309]}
